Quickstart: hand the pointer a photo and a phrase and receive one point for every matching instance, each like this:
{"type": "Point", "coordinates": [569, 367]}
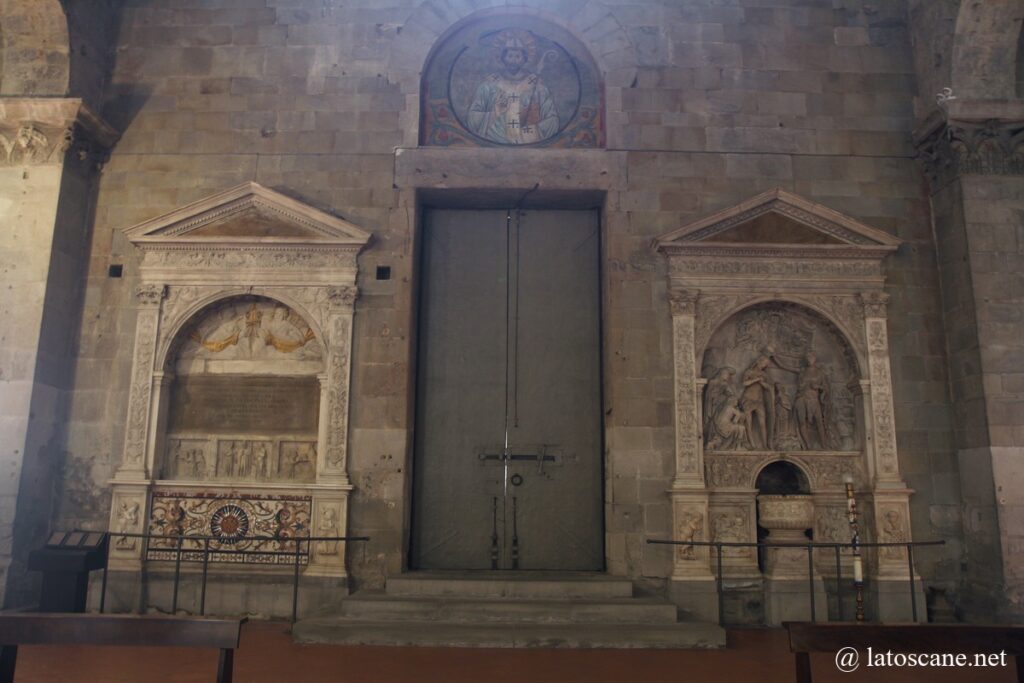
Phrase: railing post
{"type": "Point", "coordinates": [103, 586]}
{"type": "Point", "coordinates": [839, 582]}
{"type": "Point", "coordinates": [206, 564]}
{"type": "Point", "coordinates": [913, 597]}
{"type": "Point", "coordinates": [295, 582]}
{"type": "Point", "coordinates": [177, 576]}
{"type": "Point", "coordinates": [721, 587]}
{"type": "Point", "coordinates": [810, 580]}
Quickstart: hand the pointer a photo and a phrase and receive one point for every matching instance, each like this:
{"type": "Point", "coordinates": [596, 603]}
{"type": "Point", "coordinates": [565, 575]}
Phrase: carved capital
{"type": "Point", "coordinates": [875, 304]}
{"type": "Point", "coordinates": [40, 131]}
{"type": "Point", "coordinates": [343, 297]}
{"type": "Point", "coordinates": [683, 301]}
{"type": "Point", "coordinates": [149, 295]}
{"type": "Point", "coordinates": [949, 147]}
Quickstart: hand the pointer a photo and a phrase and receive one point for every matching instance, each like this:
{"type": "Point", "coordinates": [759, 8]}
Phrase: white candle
{"type": "Point", "coordinates": [858, 569]}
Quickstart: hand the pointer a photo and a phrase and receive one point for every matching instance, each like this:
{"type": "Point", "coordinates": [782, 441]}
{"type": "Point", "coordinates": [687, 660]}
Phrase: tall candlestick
{"type": "Point", "coordinates": [858, 566]}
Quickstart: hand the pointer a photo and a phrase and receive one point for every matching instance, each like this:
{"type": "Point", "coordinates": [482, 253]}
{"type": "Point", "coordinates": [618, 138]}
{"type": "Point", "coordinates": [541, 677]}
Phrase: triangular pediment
{"type": "Point", "coordinates": [777, 219]}
{"type": "Point", "coordinates": [248, 214]}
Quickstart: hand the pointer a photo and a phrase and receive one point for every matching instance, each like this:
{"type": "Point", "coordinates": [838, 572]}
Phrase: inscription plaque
{"type": "Point", "coordinates": [245, 404]}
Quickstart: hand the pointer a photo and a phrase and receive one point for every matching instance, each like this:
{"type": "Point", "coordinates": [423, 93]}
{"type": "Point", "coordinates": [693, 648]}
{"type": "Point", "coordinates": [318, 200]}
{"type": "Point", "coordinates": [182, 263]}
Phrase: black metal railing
{"type": "Point", "coordinates": [809, 546]}
{"type": "Point", "coordinates": [183, 555]}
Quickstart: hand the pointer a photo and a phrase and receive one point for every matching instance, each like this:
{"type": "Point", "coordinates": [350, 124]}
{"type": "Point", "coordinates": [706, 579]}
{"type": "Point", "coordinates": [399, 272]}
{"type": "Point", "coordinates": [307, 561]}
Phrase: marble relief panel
{"type": "Point", "coordinates": [250, 329]}
{"type": "Point", "coordinates": [779, 378]}
{"type": "Point", "coordinates": [242, 459]}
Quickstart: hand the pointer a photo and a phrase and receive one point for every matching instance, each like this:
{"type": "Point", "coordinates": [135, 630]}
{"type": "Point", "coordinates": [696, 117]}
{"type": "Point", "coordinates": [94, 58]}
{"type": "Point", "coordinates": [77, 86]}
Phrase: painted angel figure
{"type": "Point", "coordinates": [513, 106]}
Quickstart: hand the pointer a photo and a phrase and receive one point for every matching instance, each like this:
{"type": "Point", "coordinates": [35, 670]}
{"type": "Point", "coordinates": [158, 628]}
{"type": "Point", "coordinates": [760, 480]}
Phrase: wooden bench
{"type": "Point", "coordinates": [952, 639]}
{"type": "Point", "coordinates": [118, 630]}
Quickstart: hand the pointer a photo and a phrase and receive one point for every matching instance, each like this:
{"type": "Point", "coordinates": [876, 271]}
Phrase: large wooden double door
{"type": "Point", "coordinates": [508, 460]}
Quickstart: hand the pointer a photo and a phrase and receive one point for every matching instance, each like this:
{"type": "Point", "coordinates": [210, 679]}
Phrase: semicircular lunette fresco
{"type": "Point", "coordinates": [494, 83]}
{"type": "Point", "coordinates": [779, 378]}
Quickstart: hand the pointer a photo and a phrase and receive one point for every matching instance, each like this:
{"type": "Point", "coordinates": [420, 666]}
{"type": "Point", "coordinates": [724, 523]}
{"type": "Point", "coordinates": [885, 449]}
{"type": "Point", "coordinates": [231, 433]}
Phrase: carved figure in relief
{"type": "Point", "coordinates": [758, 401]}
{"type": "Point", "coordinates": [833, 525]}
{"type": "Point", "coordinates": [284, 335]}
{"type": "Point", "coordinates": [730, 428]}
{"type": "Point", "coordinates": [691, 527]}
{"type": "Point", "coordinates": [729, 526]}
{"type": "Point", "coordinates": [718, 395]}
{"type": "Point", "coordinates": [328, 527]}
{"type": "Point", "coordinates": [252, 330]}
{"type": "Point", "coordinates": [183, 461]}
{"type": "Point", "coordinates": [242, 468]}
{"type": "Point", "coordinates": [813, 405]}
{"type": "Point", "coordinates": [198, 464]}
{"type": "Point", "coordinates": [127, 519]}
{"type": "Point", "coordinates": [786, 393]}
{"type": "Point", "coordinates": [892, 532]}
{"type": "Point", "coordinates": [259, 459]}
{"type": "Point", "coordinates": [172, 466]}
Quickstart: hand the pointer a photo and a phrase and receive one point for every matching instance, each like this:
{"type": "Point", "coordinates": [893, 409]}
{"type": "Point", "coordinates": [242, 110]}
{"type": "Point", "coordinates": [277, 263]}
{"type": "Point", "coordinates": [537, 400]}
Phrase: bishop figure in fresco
{"type": "Point", "coordinates": [513, 106]}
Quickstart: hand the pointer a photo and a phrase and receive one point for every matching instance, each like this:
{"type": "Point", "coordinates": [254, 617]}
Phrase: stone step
{"type": "Point", "coordinates": [506, 584]}
{"type": "Point", "coordinates": [380, 607]}
{"type": "Point", "coordinates": [335, 630]}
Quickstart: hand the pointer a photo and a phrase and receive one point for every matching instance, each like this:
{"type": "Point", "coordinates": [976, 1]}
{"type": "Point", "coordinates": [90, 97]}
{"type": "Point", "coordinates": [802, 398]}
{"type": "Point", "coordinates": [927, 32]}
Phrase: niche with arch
{"type": "Point", "coordinates": [780, 377]}
{"type": "Point", "coordinates": [244, 401]}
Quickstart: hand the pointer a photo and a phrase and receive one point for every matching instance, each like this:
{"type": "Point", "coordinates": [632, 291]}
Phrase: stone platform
{"type": "Point", "coordinates": [508, 610]}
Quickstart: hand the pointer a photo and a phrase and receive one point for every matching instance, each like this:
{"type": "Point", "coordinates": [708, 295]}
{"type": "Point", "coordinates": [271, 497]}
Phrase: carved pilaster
{"type": "Point", "coordinates": [689, 468]}
{"type": "Point", "coordinates": [882, 423]}
{"type": "Point", "coordinates": [339, 370]}
{"type": "Point", "coordinates": [140, 395]}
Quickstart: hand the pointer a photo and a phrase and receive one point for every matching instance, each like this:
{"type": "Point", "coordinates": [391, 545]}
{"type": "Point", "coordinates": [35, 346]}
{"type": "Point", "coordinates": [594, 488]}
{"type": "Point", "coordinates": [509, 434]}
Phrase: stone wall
{"type": "Point", "coordinates": [706, 105]}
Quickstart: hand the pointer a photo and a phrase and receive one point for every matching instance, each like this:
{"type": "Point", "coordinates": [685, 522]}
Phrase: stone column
{"type": "Point", "coordinates": [693, 585]}
{"type": "Point", "coordinates": [51, 150]}
{"type": "Point", "coordinates": [972, 154]}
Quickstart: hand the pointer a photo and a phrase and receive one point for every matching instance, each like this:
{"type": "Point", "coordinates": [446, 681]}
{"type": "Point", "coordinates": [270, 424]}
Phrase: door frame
{"type": "Point", "coordinates": [527, 199]}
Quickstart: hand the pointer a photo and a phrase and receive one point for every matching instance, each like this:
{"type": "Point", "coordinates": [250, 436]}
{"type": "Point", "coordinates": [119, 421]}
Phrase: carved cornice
{"type": "Point", "coordinates": [971, 138]}
{"type": "Point", "coordinates": [41, 131]}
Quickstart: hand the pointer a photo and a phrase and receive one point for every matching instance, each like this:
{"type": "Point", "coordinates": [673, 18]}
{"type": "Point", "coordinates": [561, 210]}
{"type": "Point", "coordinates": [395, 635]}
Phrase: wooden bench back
{"type": "Point", "coordinates": [23, 628]}
{"type": "Point", "coordinates": [951, 638]}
